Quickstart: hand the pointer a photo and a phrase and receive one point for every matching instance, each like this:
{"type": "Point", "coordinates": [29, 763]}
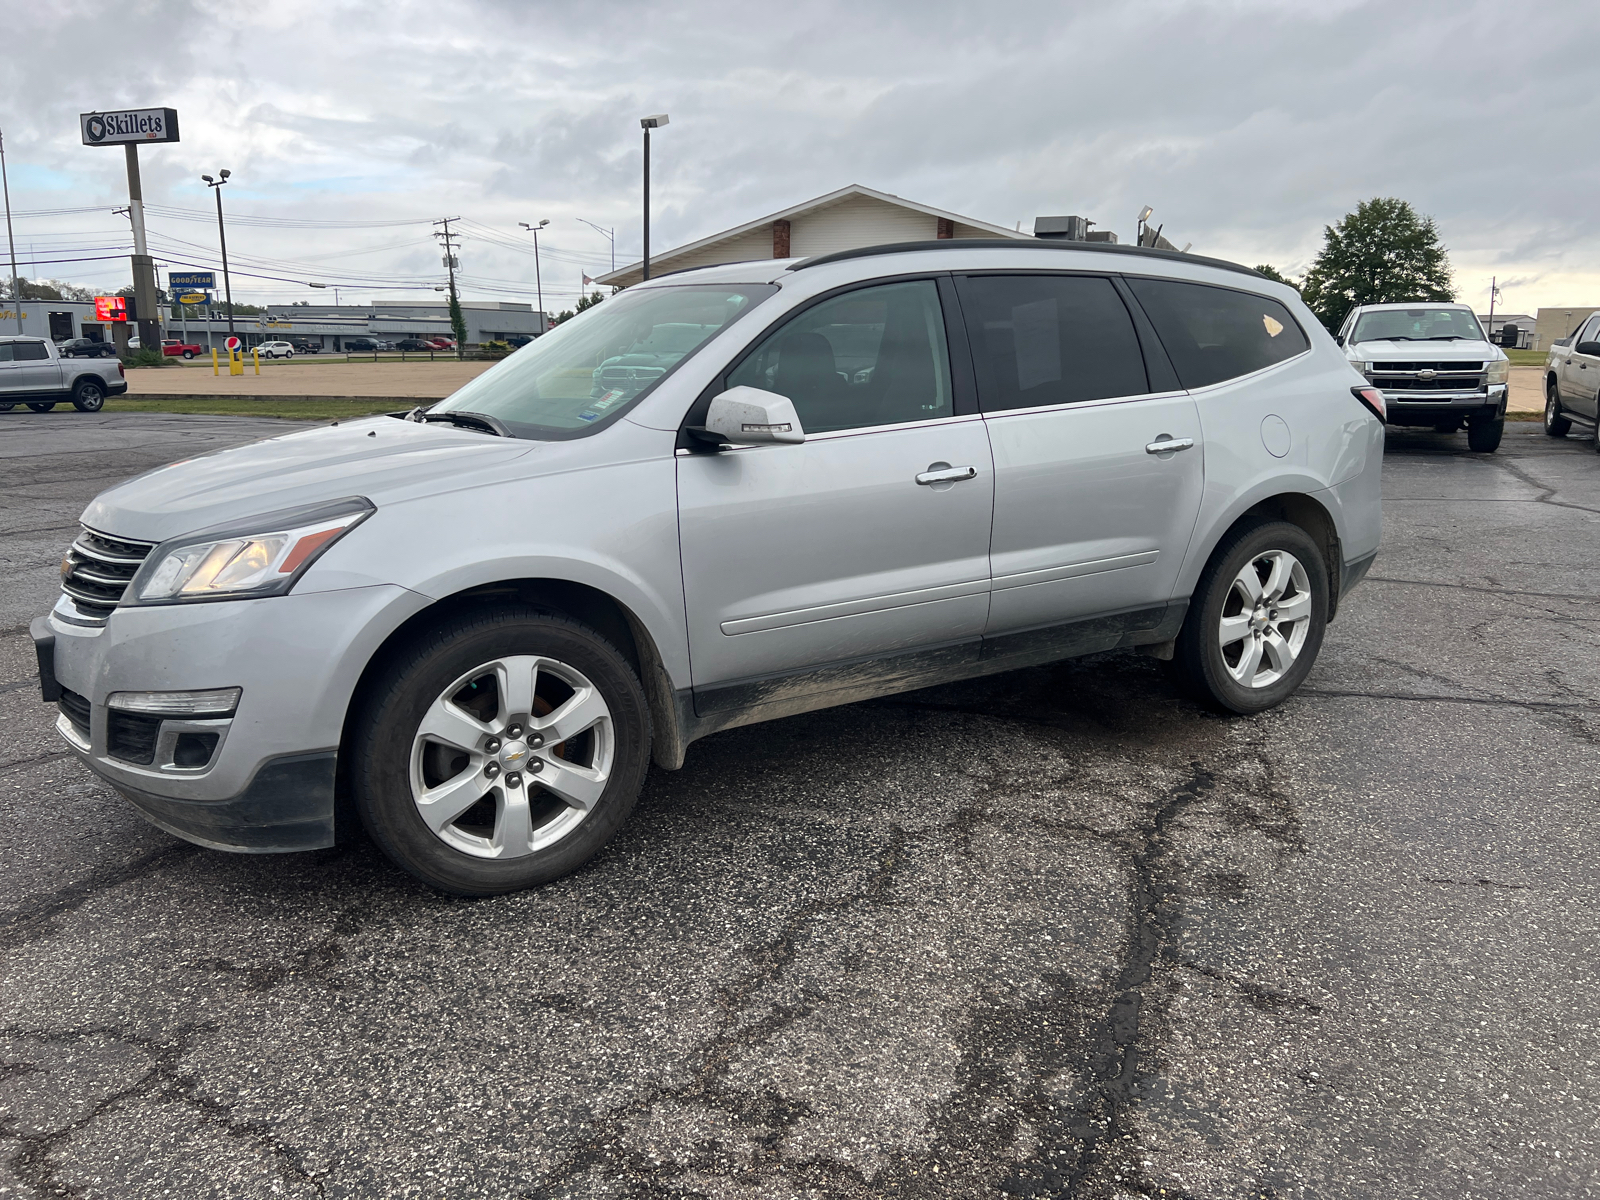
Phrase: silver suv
{"type": "Point", "coordinates": [472, 627]}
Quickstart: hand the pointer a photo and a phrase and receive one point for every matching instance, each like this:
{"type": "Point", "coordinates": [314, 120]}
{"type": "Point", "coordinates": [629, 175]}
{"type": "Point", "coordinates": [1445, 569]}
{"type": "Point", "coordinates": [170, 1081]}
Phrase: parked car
{"type": "Point", "coordinates": [1572, 382]}
{"type": "Point", "coordinates": [86, 348]}
{"type": "Point", "coordinates": [360, 345]}
{"type": "Point", "coordinates": [1037, 451]}
{"type": "Point", "coordinates": [413, 344]}
{"type": "Point", "coordinates": [1434, 366]}
{"type": "Point", "coordinates": [305, 346]}
{"type": "Point", "coordinates": [175, 348]}
{"type": "Point", "coordinates": [442, 343]}
{"type": "Point", "coordinates": [517, 340]}
{"type": "Point", "coordinates": [33, 372]}
{"type": "Point", "coordinates": [275, 350]}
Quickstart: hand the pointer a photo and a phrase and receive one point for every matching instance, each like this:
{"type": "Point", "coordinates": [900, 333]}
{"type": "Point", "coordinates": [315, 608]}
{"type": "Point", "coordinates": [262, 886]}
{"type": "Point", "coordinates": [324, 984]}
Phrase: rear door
{"type": "Point", "coordinates": [36, 369]}
{"type": "Point", "coordinates": [830, 565]}
{"type": "Point", "coordinates": [1091, 518]}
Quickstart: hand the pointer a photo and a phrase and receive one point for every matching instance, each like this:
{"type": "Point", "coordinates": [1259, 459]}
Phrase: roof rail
{"type": "Point", "coordinates": [1012, 244]}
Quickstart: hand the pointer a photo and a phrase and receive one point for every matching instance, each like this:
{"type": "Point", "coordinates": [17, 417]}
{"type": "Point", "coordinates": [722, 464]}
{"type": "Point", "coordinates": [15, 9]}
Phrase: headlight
{"type": "Point", "coordinates": [1500, 371]}
{"type": "Point", "coordinates": [1360, 366]}
{"type": "Point", "coordinates": [262, 557]}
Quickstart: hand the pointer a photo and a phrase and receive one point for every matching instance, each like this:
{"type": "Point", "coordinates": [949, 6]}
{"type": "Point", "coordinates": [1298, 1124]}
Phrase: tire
{"type": "Point", "coordinates": [41, 405]}
{"type": "Point", "coordinates": [89, 395]}
{"type": "Point", "coordinates": [1214, 670]}
{"type": "Point", "coordinates": [187, 354]}
{"type": "Point", "coordinates": [492, 830]}
{"type": "Point", "coordinates": [1555, 424]}
{"type": "Point", "coordinates": [1483, 437]}
{"type": "Point", "coordinates": [288, 353]}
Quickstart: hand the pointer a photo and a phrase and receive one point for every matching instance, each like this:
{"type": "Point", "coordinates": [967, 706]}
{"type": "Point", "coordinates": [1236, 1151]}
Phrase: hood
{"type": "Point", "coordinates": [379, 458]}
{"type": "Point", "coordinates": [1423, 351]}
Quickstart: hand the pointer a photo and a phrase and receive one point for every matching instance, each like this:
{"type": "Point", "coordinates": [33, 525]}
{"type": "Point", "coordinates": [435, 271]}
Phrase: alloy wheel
{"type": "Point", "coordinates": [1265, 619]}
{"type": "Point", "coordinates": [512, 757]}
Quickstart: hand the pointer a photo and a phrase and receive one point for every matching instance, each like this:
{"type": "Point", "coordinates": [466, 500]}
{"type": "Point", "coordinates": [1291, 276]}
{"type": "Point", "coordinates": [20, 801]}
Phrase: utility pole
{"type": "Point", "coordinates": [11, 242]}
{"type": "Point", "coordinates": [222, 236]}
{"type": "Point", "coordinates": [1493, 292]}
{"type": "Point", "coordinates": [144, 267]}
{"type": "Point", "coordinates": [447, 240]}
{"type": "Point", "coordinates": [648, 123]}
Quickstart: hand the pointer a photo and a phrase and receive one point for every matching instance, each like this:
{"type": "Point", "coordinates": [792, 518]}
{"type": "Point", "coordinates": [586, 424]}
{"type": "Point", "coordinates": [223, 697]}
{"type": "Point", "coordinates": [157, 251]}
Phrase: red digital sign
{"type": "Point", "coordinates": [110, 308]}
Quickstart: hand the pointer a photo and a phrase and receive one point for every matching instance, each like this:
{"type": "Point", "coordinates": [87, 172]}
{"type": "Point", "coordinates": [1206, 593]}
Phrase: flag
{"type": "Point", "coordinates": [587, 281]}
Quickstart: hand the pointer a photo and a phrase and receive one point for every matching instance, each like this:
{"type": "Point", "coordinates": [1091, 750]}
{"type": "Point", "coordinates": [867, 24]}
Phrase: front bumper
{"type": "Point", "coordinates": [268, 784]}
{"type": "Point", "coordinates": [1428, 408]}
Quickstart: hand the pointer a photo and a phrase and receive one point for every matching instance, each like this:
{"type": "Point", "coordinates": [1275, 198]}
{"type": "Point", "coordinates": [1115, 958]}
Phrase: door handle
{"type": "Point", "coordinates": [1165, 445]}
{"type": "Point", "coordinates": [946, 474]}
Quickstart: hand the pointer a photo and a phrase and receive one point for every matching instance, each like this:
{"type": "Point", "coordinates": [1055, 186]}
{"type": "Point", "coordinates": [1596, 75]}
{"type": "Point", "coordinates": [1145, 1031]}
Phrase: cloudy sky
{"type": "Point", "coordinates": [349, 127]}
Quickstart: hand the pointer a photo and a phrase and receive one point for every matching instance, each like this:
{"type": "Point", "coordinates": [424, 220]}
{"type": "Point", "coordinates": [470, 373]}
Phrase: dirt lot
{"type": "Point", "coordinates": [301, 377]}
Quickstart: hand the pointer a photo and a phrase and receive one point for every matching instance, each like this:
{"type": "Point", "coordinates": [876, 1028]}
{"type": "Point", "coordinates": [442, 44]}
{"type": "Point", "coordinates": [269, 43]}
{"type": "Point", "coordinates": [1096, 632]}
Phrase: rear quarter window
{"type": "Point", "coordinates": [1213, 333]}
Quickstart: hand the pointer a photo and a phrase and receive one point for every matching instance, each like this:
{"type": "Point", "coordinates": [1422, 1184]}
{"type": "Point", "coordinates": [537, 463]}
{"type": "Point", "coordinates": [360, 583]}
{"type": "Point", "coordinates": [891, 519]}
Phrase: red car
{"type": "Point", "coordinates": [442, 343]}
{"type": "Point", "coordinates": [173, 348]}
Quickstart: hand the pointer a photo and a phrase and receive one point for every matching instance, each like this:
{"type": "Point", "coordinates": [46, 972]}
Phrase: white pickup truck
{"type": "Point", "coordinates": [1433, 365]}
{"type": "Point", "coordinates": [32, 372]}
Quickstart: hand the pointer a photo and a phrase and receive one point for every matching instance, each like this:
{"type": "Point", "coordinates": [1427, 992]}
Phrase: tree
{"type": "Point", "coordinates": [584, 302]}
{"type": "Point", "coordinates": [46, 289]}
{"type": "Point", "coordinates": [458, 322]}
{"type": "Point", "coordinates": [1277, 276]}
{"type": "Point", "coordinates": [1383, 253]}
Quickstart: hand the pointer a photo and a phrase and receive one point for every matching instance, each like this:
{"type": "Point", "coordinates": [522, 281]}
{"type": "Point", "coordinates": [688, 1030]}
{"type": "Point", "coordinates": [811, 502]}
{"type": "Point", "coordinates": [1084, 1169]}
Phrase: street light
{"type": "Point", "coordinates": [538, 283]}
{"type": "Point", "coordinates": [609, 234]}
{"type": "Point", "coordinates": [647, 124]}
{"type": "Point", "coordinates": [1144, 217]}
{"type": "Point", "coordinates": [222, 236]}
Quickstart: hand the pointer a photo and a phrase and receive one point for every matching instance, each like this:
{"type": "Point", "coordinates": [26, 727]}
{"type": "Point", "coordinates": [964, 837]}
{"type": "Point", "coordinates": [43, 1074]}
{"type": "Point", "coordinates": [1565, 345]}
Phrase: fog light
{"type": "Point", "coordinates": [218, 702]}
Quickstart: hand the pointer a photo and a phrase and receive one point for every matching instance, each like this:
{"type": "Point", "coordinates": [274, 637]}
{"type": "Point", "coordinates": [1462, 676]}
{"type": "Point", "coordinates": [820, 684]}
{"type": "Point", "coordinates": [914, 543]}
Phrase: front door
{"type": "Point", "coordinates": [1579, 374]}
{"type": "Point", "coordinates": [844, 560]}
{"type": "Point", "coordinates": [1088, 519]}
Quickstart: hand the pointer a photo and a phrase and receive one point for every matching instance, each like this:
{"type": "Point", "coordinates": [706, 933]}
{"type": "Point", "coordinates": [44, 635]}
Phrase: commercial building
{"type": "Point", "coordinates": [325, 325]}
{"type": "Point", "coordinates": [847, 219]}
{"type": "Point", "coordinates": [1522, 321]}
{"type": "Point", "coordinates": [1554, 324]}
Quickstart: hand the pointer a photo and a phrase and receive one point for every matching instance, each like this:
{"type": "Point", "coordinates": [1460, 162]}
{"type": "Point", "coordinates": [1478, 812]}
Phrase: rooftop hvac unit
{"type": "Point", "coordinates": [1063, 229]}
{"type": "Point", "coordinates": [1101, 235]}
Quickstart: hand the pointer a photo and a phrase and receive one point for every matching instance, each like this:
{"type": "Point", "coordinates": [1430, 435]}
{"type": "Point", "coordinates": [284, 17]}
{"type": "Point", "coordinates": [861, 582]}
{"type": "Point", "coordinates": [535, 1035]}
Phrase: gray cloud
{"type": "Point", "coordinates": [1248, 125]}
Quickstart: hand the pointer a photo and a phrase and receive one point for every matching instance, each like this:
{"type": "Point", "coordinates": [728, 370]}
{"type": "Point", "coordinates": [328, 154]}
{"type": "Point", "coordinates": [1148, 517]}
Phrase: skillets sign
{"type": "Point", "coordinates": [129, 125]}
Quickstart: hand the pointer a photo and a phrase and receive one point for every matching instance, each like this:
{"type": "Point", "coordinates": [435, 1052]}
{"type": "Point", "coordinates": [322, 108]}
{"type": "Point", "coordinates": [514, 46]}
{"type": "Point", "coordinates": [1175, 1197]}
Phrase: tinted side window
{"type": "Point", "coordinates": [871, 357]}
{"type": "Point", "coordinates": [5, 351]}
{"type": "Point", "coordinates": [1214, 333]}
{"type": "Point", "coordinates": [1050, 339]}
{"type": "Point", "coordinates": [30, 351]}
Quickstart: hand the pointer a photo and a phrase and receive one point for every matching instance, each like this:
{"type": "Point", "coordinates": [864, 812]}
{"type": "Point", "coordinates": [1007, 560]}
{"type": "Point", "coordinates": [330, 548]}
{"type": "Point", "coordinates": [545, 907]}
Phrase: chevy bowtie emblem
{"type": "Point", "coordinates": [1427, 373]}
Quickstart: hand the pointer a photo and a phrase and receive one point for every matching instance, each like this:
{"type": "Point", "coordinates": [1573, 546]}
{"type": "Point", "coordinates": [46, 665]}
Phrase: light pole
{"type": "Point", "coordinates": [1144, 217]}
{"type": "Point", "coordinates": [538, 283]}
{"type": "Point", "coordinates": [648, 123]}
{"type": "Point", "coordinates": [609, 234]}
{"type": "Point", "coordinates": [16, 285]}
{"type": "Point", "coordinates": [222, 237]}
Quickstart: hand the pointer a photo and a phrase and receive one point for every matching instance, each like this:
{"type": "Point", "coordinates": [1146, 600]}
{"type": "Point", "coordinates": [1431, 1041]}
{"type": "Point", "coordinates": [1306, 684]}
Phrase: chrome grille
{"type": "Point", "coordinates": [97, 570]}
{"type": "Point", "coordinates": [1427, 376]}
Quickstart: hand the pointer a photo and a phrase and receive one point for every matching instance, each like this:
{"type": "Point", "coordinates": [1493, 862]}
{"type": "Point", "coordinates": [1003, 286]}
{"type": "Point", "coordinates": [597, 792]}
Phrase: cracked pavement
{"type": "Point", "coordinates": [1056, 933]}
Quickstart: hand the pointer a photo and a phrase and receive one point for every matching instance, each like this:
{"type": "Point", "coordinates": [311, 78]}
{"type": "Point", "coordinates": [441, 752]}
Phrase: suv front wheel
{"type": "Point", "coordinates": [502, 752]}
{"type": "Point", "coordinates": [1256, 620]}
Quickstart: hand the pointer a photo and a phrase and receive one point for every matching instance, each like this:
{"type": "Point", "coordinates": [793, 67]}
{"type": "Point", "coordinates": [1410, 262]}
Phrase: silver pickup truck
{"type": "Point", "coordinates": [32, 372]}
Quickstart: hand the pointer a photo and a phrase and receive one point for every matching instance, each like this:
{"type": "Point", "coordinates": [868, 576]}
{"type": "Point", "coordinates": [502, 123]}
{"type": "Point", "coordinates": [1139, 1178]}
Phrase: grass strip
{"type": "Point", "coordinates": [289, 410]}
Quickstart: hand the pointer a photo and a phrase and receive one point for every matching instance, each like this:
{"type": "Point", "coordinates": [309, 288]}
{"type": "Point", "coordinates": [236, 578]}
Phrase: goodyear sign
{"type": "Point", "coordinates": [191, 279]}
{"type": "Point", "coordinates": [129, 125]}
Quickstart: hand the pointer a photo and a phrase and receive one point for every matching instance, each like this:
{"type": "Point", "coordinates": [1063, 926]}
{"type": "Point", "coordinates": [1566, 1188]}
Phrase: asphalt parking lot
{"type": "Point", "coordinates": [1053, 934]}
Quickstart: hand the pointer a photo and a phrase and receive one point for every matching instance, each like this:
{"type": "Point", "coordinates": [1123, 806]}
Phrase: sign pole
{"type": "Point", "coordinates": [144, 267]}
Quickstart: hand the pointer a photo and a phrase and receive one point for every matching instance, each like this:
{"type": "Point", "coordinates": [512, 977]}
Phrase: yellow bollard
{"type": "Point", "coordinates": [214, 370]}
{"type": "Point", "coordinates": [256, 352]}
{"type": "Point", "coordinates": [235, 363]}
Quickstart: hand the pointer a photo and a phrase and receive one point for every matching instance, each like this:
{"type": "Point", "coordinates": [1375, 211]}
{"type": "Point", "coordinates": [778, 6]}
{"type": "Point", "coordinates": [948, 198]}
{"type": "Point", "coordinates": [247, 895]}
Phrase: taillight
{"type": "Point", "coordinates": [120, 371]}
{"type": "Point", "coordinates": [1373, 399]}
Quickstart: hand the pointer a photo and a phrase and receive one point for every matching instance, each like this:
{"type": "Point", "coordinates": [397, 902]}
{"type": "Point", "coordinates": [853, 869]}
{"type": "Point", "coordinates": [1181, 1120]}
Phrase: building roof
{"type": "Point", "coordinates": [663, 262]}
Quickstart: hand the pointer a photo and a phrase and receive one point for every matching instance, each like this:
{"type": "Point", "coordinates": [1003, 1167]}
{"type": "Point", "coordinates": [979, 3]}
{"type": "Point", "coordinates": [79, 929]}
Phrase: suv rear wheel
{"type": "Point", "coordinates": [1256, 621]}
{"type": "Point", "coordinates": [502, 752]}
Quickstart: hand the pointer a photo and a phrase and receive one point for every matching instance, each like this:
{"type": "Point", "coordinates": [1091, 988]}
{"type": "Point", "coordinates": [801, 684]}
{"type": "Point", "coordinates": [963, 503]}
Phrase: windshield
{"type": "Point", "coordinates": [587, 371]}
{"type": "Point", "coordinates": [1418, 325]}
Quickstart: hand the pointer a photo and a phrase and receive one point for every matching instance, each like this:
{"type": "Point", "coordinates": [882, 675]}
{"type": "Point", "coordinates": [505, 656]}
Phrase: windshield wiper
{"type": "Point", "coordinates": [463, 420]}
{"type": "Point", "coordinates": [1399, 337]}
{"type": "Point", "coordinates": [1447, 337]}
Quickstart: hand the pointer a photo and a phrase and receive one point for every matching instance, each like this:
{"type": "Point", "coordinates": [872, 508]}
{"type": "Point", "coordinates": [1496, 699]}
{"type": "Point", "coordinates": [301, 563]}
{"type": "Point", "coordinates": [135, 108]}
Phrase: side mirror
{"type": "Point", "coordinates": [748, 416]}
{"type": "Point", "coordinates": [1339, 338]}
{"type": "Point", "coordinates": [1590, 348]}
